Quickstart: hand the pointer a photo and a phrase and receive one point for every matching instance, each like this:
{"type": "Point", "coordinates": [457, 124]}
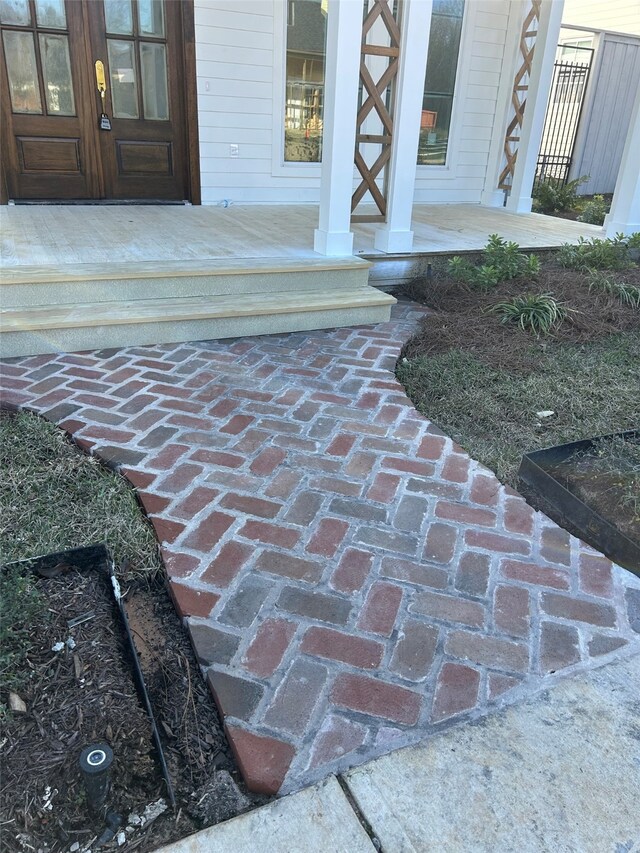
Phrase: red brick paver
{"type": "Point", "coordinates": [350, 578]}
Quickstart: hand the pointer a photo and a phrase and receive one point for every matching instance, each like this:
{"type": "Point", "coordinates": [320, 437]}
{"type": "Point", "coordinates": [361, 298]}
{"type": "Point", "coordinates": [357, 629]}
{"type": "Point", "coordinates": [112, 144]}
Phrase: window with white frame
{"type": "Point", "coordinates": [440, 80]}
{"type": "Point", "coordinates": [304, 93]}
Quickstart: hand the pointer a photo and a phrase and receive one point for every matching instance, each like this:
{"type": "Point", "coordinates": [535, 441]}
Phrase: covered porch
{"type": "Point", "coordinates": [78, 277]}
{"type": "Point", "coordinates": [57, 235]}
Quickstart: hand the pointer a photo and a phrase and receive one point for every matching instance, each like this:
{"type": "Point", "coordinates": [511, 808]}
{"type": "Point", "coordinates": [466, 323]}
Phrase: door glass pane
{"type": "Point", "coordinates": [22, 72]}
{"type": "Point", "coordinates": [124, 86]}
{"type": "Point", "coordinates": [15, 12]}
{"type": "Point", "coordinates": [56, 70]}
{"type": "Point", "coordinates": [151, 17]}
{"type": "Point", "coordinates": [50, 13]}
{"type": "Point", "coordinates": [304, 95]}
{"type": "Point", "coordinates": [118, 17]}
{"type": "Point", "coordinates": [153, 67]}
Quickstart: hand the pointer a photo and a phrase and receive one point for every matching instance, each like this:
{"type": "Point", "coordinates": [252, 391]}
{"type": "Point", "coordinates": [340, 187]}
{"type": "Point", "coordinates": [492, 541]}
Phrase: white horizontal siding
{"type": "Point", "coordinates": [235, 65]}
{"type": "Point", "coordinates": [215, 14]}
{"type": "Point", "coordinates": [236, 68]}
{"type": "Point", "coordinates": [620, 16]}
{"type": "Point", "coordinates": [245, 39]}
{"type": "Point", "coordinates": [252, 73]}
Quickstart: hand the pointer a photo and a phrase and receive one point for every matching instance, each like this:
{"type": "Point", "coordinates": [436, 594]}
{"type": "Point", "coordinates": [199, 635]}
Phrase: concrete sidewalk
{"type": "Point", "coordinates": [560, 772]}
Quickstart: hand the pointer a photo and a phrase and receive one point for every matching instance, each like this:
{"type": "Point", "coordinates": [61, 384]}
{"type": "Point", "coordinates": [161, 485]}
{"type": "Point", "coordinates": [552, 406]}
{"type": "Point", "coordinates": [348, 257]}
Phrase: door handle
{"type": "Point", "coordinates": [101, 84]}
{"type": "Point", "coordinates": [101, 80]}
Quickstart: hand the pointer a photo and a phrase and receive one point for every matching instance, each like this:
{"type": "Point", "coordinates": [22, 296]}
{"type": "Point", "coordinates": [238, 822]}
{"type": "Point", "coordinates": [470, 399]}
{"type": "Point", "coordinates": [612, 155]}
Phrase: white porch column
{"type": "Point", "coordinates": [624, 215]}
{"type": "Point", "coordinates": [492, 196]}
{"type": "Point", "coordinates": [344, 36]}
{"type": "Point", "coordinates": [537, 96]}
{"type": "Point", "coordinates": [396, 234]}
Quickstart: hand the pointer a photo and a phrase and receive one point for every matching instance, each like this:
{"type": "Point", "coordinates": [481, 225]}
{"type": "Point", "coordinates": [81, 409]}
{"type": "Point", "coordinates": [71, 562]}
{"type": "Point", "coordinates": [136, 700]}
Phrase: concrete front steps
{"type": "Point", "coordinates": [74, 307]}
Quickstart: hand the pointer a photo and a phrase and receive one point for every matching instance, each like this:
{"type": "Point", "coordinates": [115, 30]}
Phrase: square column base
{"type": "Point", "coordinates": [519, 205]}
{"type": "Point", "coordinates": [493, 199]}
{"type": "Point", "coordinates": [612, 227]}
{"type": "Point", "coordinates": [393, 242]}
{"type": "Point", "coordinates": [333, 244]}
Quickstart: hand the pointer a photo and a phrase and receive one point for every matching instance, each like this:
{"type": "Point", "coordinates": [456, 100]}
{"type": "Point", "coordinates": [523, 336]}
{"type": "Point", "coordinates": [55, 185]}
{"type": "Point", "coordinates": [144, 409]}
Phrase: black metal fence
{"type": "Point", "coordinates": [562, 119]}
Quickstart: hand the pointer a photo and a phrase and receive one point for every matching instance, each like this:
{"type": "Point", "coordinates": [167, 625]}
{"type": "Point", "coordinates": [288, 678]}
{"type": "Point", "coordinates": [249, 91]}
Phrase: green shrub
{"type": "Point", "coordinates": [539, 313]}
{"type": "Point", "coordinates": [502, 260]}
{"type": "Point", "coordinates": [627, 293]}
{"type": "Point", "coordinates": [550, 197]}
{"type": "Point", "coordinates": [609, 254]}
{"type": "Point", "coordinates": [632, 240]}
{"type": "Point", "coordinates": [594, 211]}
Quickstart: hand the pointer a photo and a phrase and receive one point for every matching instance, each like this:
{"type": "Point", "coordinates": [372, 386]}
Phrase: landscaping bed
{"type": "Point", "coordinates": [497, 388]}
{"type": "Point", "coordinates": [606, 476]}
{"type": "Point", "coordinates": [67, 686]}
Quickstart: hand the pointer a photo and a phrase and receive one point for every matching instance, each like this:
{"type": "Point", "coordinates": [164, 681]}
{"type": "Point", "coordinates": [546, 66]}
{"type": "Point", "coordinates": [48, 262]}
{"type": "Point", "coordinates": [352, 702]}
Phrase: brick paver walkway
{"type": "Point", "coordinates": [351, 579]}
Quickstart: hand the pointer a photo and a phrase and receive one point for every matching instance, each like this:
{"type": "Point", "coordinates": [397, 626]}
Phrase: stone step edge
{"type": "Point", "coordinates": [41, 274]}
{"type": "Point", "coordinates": [186, 308]}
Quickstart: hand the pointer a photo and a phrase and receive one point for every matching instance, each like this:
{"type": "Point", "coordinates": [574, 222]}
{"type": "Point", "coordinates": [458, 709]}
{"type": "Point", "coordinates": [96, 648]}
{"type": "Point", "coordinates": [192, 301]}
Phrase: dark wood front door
{"type": "Point", "coordinates": [54, 143]}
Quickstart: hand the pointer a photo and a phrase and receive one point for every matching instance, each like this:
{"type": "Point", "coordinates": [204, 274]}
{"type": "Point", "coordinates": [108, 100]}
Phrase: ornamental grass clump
{"type": "Point", "coordinates": [628, 294]}
{"type": "Point", "coordinates": [538, 313]}
{"type": "Point", "coordinates": [502, 261]}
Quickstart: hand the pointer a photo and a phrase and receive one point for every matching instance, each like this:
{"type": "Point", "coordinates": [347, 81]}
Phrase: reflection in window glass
{"type": "Point", "coordinates": [22, 71]}
{"type": "Point", "coordinates": [50, 13]}
{"type": "Point", "coordinates": [306, 33]}
{"type": "Point", "coordinates": [440, 79]}
{"type": "Point", "coordinates": [118, 16]}
{"type": "Point", "coordinates": [15, 12]}
{"type": "Point", "coordinates": [56, 70]}
{"type": "Point", "coordinates": [151, 17]}
{"type": "Point", "coordinates": [124, 86]}
{"type": "Point", "coordinates": [153, 69]}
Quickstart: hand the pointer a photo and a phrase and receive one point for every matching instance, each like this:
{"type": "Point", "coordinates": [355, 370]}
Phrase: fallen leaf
{"type": "Point", "coordinates": [54, 571]}
{"type": "Point", "coordinates": [16, 704]}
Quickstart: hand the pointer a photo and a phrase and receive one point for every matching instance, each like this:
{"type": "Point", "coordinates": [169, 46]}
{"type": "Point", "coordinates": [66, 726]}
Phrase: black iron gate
{"type": "Point", "coordinates": [562, 119]}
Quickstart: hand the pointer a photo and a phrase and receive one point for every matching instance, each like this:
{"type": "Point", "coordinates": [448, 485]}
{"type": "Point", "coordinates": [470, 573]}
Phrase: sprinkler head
{"type": "Point", "coordinates": [95, 766]}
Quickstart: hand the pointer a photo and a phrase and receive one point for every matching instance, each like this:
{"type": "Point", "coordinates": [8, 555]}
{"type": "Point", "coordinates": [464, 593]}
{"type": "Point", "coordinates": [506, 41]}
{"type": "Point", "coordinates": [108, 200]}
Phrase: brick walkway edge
{"type": "Point", "coordinates": [351, 580]}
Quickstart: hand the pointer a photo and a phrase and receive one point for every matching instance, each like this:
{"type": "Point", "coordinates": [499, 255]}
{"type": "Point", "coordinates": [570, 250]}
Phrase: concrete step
{"type": "Point", "coordinates": [23, 286]}
{"type": "Point", "coordinates": [70, 327]}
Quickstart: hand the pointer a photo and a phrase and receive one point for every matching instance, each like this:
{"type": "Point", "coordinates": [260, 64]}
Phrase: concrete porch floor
{"type": "Point", "coordinates": [88, 234]}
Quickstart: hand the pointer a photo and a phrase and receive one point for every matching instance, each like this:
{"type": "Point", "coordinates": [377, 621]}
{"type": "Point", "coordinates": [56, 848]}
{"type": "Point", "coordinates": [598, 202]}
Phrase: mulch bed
{"type": "Point", "coordinates": [461, 317]}
{"type": "Point", "coordinates": [610, 486]}
{"type": "Point", "coordinates": [84, 694]}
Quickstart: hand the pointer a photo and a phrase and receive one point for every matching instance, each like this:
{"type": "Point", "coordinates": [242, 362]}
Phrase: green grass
{"type": "Point", "coordinates": [20, 604]}
{"type": "Point", "coordinates": [593, 389]}
{"type": "Point", "coordinates": [53, 497]}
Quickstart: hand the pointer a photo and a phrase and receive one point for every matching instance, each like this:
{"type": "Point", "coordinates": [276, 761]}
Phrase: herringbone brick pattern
{"type": "Point", "coordinates": [351, 579]}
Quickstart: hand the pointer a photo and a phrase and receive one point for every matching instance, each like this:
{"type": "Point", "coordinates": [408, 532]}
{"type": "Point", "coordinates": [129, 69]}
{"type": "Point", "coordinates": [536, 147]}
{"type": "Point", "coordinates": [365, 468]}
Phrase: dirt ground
{"type": "Point", "coordinates": [461, 317]}
{"type": "Point", "coordinates": [85, 694]}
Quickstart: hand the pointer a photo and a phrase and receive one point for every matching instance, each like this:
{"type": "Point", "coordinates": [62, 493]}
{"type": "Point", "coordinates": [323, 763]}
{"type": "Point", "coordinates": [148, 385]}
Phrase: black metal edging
{"type": "Point", "coordinates": [572, 512]}
{"type": "Point", "coordinates": [98, 557]}
{"type": "Point", "coordinates": [137, 669]}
